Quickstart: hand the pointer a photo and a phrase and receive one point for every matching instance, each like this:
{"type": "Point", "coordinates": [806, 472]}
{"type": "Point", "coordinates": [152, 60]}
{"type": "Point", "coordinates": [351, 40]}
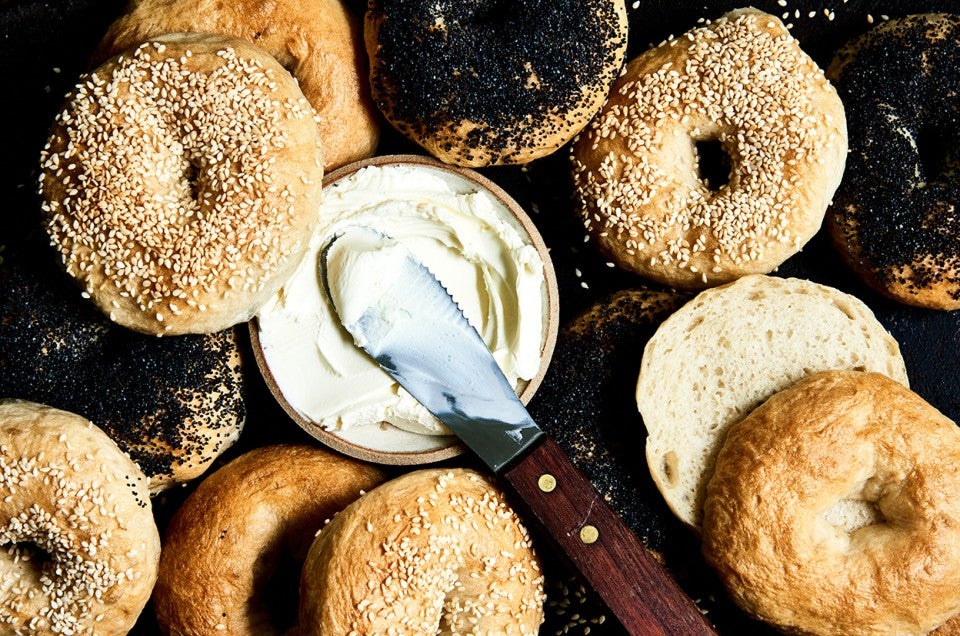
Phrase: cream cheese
{"type": "Point", "coordinates": [464, 235]}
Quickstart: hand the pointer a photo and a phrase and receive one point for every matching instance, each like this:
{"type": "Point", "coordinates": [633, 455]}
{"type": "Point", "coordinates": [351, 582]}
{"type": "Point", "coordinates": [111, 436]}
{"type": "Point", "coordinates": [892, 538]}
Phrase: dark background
{"type": "Point", "coordinates": [44, 47]}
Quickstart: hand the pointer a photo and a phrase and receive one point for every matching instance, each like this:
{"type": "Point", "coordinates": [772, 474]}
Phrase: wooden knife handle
{"type": "Point", "coordinates": [634, 586]}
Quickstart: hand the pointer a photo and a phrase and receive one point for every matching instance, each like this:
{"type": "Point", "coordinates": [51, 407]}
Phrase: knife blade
{"type": "Point", "coordinates": [398, 312]}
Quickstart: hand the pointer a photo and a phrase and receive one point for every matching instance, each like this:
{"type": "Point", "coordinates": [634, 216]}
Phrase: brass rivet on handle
{"type": "Point", "coordinates": [547, 482]}
{"type": "Point", "coordinates": [589, 534]}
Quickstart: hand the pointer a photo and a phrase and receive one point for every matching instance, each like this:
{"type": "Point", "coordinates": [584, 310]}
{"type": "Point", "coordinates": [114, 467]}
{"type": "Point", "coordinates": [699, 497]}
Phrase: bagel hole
{"type": "Point", "coordinates": [713, 163]}
{"type": "Point", "coordinates": [278, 593]}
{"type": "Point", "coordinates": [849, 515]}
{"type": "Point", "coordinates": [28, 551]}
{"type": "Point", "coordinates": [933, 152]}
{"type": "Point", "coordinates": [192, 176]}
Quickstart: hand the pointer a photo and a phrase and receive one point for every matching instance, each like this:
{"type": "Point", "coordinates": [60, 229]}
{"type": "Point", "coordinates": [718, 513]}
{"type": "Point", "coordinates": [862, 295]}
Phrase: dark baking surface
{"type": "Point", "coordinates": [45, 46]}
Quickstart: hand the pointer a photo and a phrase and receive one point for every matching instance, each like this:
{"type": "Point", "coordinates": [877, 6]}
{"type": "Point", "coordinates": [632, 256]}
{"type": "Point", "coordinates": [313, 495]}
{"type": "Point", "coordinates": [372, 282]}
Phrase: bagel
{"type": "Point", "coordinates": [835, 436]}
{"type": "Point", "coordinates": [80, 546]}
{"type": "Point", "coordinates": [586, 404]}
{"type": "Point", "coordinates": [741, 82]}
{"type": "Point", "coordinates": [480, 84]}
{"type": "Point", "coordinates": [229, 545]}
{"type": "Point", "coordinates": [432, 551]}
{"type": "Point", "coordinates": [730, 348]}
{"type": "Point", "coordinates": [181, 183]}
{"type": "Point", "coordinates": [950, 628]}
{"type": "Point", "coordinates": [894, 217]}
{"type": "Point", "coordinates": [318, 42]}
{"type": "Point", "coordinates": [182, 401]}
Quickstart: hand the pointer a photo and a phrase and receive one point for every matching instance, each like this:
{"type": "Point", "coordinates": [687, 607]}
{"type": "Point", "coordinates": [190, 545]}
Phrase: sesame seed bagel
{"type": "Point", "coordinates": [80, 546]}
{"type": "Point", "coordinates": [482, 83]}
{"type": "Point", "coordinates": [894, 219]}
{"type": "Point", "coordinates": [319, 42]}
{"type": "Point", "coordinates": [181, 183]}
{"type": "Point", "coordinates": [172, 404]}
{"type": "Point", "coordinates": [433, 551]}
{"type": "Point", "coordinates": [230, 545]}
{"type": "Point", "coordinates": [729, 349]}
{"type": "Point", "coordinates": [833, 437]}
{"type": "Point", "coordinates": [741, 82]}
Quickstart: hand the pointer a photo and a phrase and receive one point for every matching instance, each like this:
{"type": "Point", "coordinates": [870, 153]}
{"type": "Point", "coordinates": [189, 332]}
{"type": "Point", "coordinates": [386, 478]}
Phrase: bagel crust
{"type": "Point", "coordinates": [433, 551]}
{"type": "Point", "coordinates": [730, 348]}
{"type": "Point", "coordinates": [480, 83]}
{"type": "Point", "coordinates": [894, 218]}
{"type": "Point", "coordinates": [182, 401]}
{"type": "Point", "coordinates": [834, 438]}
{"type": "Point", "coordinates": [80, 545]}
{"type": "Point", "coordinates": [228, 541]}
{"type": "Point", "coordinates": [181, 183]}
{"type": "Point", "coordinates": [741, 81]}
{"type": "Point", "coordinates": [319, 42]}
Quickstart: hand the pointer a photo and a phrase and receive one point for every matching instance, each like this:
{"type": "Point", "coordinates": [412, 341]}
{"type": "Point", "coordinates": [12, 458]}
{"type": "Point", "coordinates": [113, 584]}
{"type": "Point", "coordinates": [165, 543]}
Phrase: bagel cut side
{"type": "Point", "coordinates": [732, 347]}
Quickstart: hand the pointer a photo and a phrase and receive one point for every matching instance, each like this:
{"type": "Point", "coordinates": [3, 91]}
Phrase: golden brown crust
{"type": "Point", "coordinates": [833, 437]}
{"type": "Point", "coordinates": [319, 42]}
{"type": "Point", "coordinates": [741, 81]}
{"type": "Point", "coordinates": [224, 545]}
{"type": "Point", "coordinates": [950, 628]}
{"type": "Point", "coordinates": [730, 348]}
{"type": "Point", "coordinates": [511, 110]}
{"type": "Point", "coordinates": [431, 551]}
{"type": "Point", "coordinates": [181, 183]}
{"type": "Point", "coordinates": [81, 567]}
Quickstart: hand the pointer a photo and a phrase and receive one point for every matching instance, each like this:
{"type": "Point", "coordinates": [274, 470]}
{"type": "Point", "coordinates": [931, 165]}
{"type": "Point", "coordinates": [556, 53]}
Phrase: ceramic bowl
{"type": "Point", "coordinates": [381, 442]}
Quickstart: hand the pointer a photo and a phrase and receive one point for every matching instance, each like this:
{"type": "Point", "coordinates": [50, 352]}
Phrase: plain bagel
{"type": "Point", "coordinates": [181, 183]}
{"type": "Point", "coordinates": [226, 547]}
{"type": "Point", "coordinates": [833, 437]}
{"type": "Point", "coordinates": [741, 82]}
{"type": "Point", "coordinates": [730, 348]}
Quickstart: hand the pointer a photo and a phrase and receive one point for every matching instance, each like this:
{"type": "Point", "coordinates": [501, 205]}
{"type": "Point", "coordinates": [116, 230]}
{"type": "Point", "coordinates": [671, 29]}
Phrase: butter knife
{"type": "Point", "coordinates": [400, 314]}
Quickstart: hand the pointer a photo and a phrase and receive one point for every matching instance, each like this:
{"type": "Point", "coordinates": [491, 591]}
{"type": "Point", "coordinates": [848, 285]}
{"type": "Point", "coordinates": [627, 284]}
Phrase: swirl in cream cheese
{"type": "Point", "coordinates": [464, 235]}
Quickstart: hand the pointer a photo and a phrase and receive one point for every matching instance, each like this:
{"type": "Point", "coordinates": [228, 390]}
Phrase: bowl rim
{"type": "Point", "coordinates": [551, 317]}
